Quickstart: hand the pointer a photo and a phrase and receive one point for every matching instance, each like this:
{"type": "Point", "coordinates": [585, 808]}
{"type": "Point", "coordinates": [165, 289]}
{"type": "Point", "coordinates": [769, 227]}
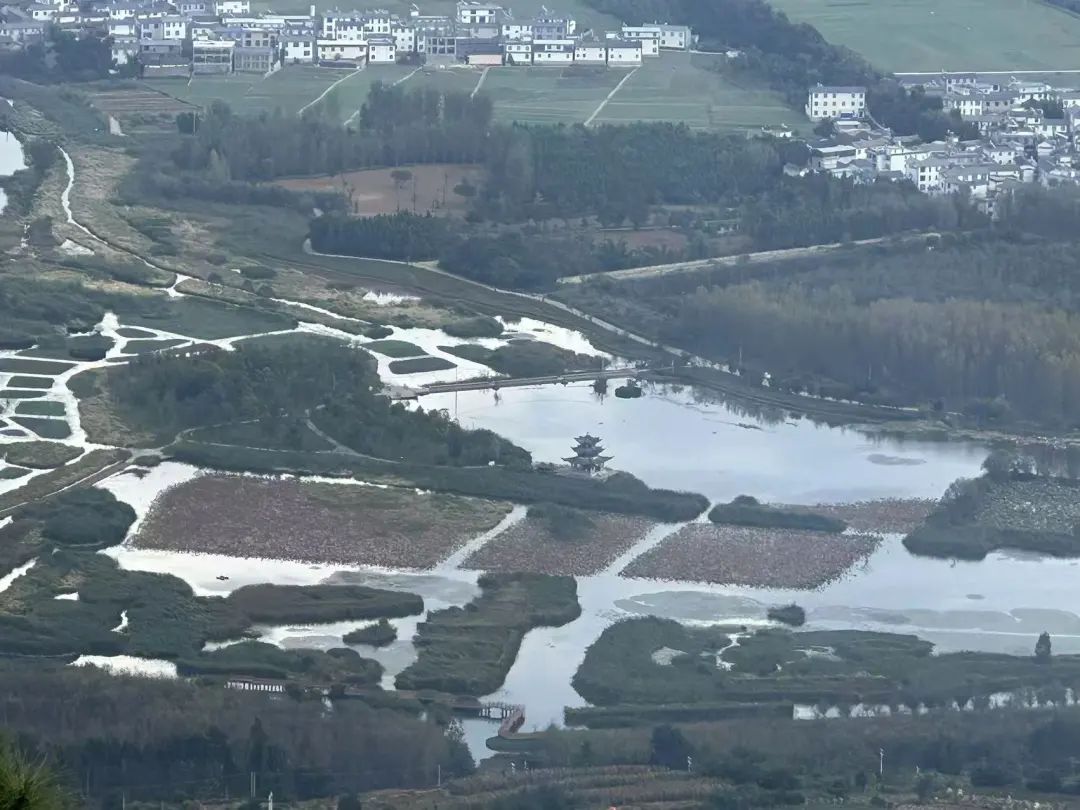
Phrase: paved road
{"type": "Point", "coordinates": [722, 261]}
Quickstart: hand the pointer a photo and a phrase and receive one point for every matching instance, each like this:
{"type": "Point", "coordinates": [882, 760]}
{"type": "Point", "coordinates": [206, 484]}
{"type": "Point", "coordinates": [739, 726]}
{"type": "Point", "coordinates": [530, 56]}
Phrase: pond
{"type": "Point", "coordinates": [12, 160]}
{"type": "Point", "coordinates": [680, 438]}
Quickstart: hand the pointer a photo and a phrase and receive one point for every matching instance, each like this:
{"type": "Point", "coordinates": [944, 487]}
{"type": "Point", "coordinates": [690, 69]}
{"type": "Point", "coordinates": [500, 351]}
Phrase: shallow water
{"type": "Point", "coordinates": [677, 439]}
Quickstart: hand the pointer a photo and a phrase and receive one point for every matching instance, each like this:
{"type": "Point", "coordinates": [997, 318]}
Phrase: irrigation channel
{"type": "Point", "coordinates": [673, 437]}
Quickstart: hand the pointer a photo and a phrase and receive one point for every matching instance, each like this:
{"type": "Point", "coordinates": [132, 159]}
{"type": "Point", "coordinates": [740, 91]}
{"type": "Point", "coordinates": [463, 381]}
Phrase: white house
{"type": "Point", "coordinates": [473, 13]}
{"type": "Point", "coordinates": [382, 51]}
{"type": "Point", "coordinates": [125, 48]}
{"type": "Point", "coordinates": [298, 49]}
{"type": "Point", "coordinates": [172, 26]}
{"type": "Point", "coordinates": [189, 8]}
{"type": "Point", "coordinates": [404, 38]}
{"type": "Point", "coordinates": [122, 27]}
{"type": "Point", "coordinates": [835, 102]}
{"type": "Point", "coordinates": [647, 35]}
{"type": "Point", "coordinates": [332, 50]}
{"type": "Point", "coordinates": [378, 23]}
{"type": "Point", "coordinates": [44, 12]}
{"type": "Point", "coordinates": [232, 8]}
{"type": "Point", "coordinates": [590, 52]}
{"type": "Point", "coordinates": [668, 37]}
{"type": "Point", "coordinates": [553, 51]}
{"type": "Point", "coordinates": [516, 31]}
{"type": "Point", "coordinates": [518, 53]}
{"type": "Point", "coordinates": [624, 52]}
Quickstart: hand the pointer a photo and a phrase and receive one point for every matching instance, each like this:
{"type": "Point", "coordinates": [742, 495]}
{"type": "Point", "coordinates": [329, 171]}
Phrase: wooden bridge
{"type": "Point", "coordinates": [496, 383]}
{"type": "Point", "coordinates": [511, 716]}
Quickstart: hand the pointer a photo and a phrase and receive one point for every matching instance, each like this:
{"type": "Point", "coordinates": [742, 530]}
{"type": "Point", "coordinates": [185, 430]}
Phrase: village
{"type": "Point", "coordinates": [185, 38]}
{"type": "Point", "coordinates": [1027, 133]}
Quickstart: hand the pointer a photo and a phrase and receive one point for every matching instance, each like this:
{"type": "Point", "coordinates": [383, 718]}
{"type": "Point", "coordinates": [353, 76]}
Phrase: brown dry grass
{"type": "Point", "coordinates": [374, 192]}
{"type": "Point", "coordinates": [530, 546]}
{"type": "Point", "coordinates": [294, 520]}
{"type": "Point", "coordinates": [770, 558]}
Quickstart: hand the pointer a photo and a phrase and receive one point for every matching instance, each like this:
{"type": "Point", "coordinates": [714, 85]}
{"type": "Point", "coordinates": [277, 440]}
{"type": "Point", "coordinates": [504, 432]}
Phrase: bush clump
{"type": "Point", "coordinates": [788, 614]}
{"type": "Point", "coordinates": [85, 517]}
{"type": "Point", "coordinates": [377, 635]}
{"type": "Point", "coordinates": [562, 522]}
{"type": "Point", "coordinates": [748, 511]}
{"type": "Point", "coordinates": [479, 326]}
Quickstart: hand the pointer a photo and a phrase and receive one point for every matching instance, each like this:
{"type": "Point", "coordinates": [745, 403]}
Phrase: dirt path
{"type": "Point", "coordinates": [325, 92]}
{"type": "Point", "coordinates": [653, 271]}
{"type": "Point", "coordinates": [479, 83]}
{"type": "Point", "coordinates": [609, 96]}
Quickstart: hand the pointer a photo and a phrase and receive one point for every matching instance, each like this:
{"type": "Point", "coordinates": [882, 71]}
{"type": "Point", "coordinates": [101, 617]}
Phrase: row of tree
{"type": "Point", "coordinates": [60, 57]}
{"type": "Point", "coordinates": [138, 739]}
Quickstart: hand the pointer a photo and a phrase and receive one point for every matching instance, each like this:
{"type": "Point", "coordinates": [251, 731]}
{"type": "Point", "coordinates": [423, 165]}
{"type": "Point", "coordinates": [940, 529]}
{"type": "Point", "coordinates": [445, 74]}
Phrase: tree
{"type": "Point", "coordinates": [826, 128]}
{"type": "Point", "coordinates": [401, 177]}
{"type": "Point", "coordinates": [669, 747]}
{"type": "Point", "coordinates": [1042, 648]}
{"type": "Point", "coordinates": [26, 786]}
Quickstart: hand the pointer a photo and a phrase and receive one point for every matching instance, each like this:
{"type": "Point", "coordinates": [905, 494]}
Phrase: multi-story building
{"type": "Point", "coordinates": [212, 56]}
{"type": "Point", "coordinates": [590, 52]}
{"type": "Point", "coordinates": [624, 52]}
{"type": "Point", "coordinates": [298, 44]}
{"type": "Point", "coordinates": [382, 51]}
{"type": "Point", "coordinates": [668, 37]}
{"type": "Point", "coordinates": [648, 36]}
{"type": "Point", "coordinates": [332, 50]}
{"type": "Point", "coordinates": [232, 8]}
{"type": "Point", "coordinates": [553, 51]}
{"type": "Point", "coordinates": [474, 13]}
{"type": "Point", "coordinates": [518, 52]}
{"type": "Point", "coordinates": [171, 26]}
{"type": "Point", "coordinates": [835, 102]}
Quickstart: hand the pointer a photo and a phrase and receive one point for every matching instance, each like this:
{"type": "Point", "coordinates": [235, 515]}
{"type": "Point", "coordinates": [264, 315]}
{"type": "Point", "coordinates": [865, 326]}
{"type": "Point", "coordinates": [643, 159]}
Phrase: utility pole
{"type": "Point", "coordinates": [438, 775]}
{"type": "Point", "coordinates": [252, 787]}
{"type": "Point", "coordinates": [689, 764]}
{"type": "Point", "coordinates": [270, 801]}
{"type": "Point", "coordinates": [881, 762]}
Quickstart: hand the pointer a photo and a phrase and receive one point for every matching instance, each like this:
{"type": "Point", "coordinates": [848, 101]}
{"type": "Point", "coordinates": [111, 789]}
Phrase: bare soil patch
{"type": "Point", "coordinates": [375, 191]}
{"type": "Point", "coordinates": [531, 546]}
{"type": "Point", "coordinates": [892, 515]}
{"type": "Point", "coordinates": [768, 558]}
{"type": "Point", "coordinates": [294, 520]}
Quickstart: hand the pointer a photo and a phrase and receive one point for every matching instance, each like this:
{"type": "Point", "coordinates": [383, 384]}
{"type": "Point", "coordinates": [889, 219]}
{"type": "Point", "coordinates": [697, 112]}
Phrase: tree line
{"type": "Point", "coordinates": [153, 739]}
{"type": "Point", "coordinates": [60, 57]}
{"type": "Point", "coordinates": [988, 323]}
{"type": "Point", "coordinates": [395, 128]}
{"type": "Point", "coordinates": [513, 259]}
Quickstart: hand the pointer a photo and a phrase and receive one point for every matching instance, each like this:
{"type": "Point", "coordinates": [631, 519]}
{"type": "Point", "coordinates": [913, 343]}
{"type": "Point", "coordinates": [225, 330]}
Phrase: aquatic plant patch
{"type": "Point", "coordinates": [767, 558]}
{"type": "Point", "coordinates": [535, 545]}
{"type": "Point", "coordinates": [351, 524]}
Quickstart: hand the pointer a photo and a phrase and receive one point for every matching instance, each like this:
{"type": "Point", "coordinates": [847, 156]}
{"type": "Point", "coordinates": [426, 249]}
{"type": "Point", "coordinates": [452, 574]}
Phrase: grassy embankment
{"type": "Point", "coordinates": [622, 671]}
{"type": "Point", "coordinates": [748, 511]}
{"type": "Point", "coordinates": [976, 517]}
{"type": "Point", "coordinates": [469, 650]}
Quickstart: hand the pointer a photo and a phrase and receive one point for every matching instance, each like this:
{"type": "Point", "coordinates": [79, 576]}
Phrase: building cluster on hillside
{"type": "Point", "coordinates": [1028, 132]}
{"type": "Point", "coordinates": [191, 37]}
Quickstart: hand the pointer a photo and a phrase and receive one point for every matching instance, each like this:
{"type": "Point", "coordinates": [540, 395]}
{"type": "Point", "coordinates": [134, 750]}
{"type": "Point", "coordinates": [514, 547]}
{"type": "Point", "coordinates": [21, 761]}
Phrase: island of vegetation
{"type": "Point", "coordinates": [1009, 506]}
{"type": "Point", "coordinates": [745, 510]}
{"type": "Point", "coordinates": [376, 635]}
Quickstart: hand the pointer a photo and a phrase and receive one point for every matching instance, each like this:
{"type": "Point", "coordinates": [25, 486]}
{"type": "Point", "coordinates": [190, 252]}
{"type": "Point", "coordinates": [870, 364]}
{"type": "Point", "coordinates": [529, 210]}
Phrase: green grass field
{"type": "Point", "coordinates": [548, 95]}
{"type": "Point", "coordinates": [679, 87]}
{"type": "Point", "coordinates": [676, 87]}
{"type": "Point", "coordinates": [957, 35]}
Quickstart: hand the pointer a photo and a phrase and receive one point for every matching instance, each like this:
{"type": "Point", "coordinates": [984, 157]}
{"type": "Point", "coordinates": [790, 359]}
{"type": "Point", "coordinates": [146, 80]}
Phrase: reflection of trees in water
{"type": "Point", "coordinates": [767, 414]}
{"type": "Point", "coordinates": [1053, 459]}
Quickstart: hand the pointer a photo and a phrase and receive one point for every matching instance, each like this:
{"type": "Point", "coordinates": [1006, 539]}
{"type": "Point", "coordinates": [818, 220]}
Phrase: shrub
{"type": "Point", "coordinates": [747, 511]}
{"type": "Point", "coordinates": [83, 517]}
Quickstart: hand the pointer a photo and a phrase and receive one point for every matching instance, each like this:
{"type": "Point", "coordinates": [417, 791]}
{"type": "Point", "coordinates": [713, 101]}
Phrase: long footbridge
{"type": "Point", "coordinates": [496, 383]}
